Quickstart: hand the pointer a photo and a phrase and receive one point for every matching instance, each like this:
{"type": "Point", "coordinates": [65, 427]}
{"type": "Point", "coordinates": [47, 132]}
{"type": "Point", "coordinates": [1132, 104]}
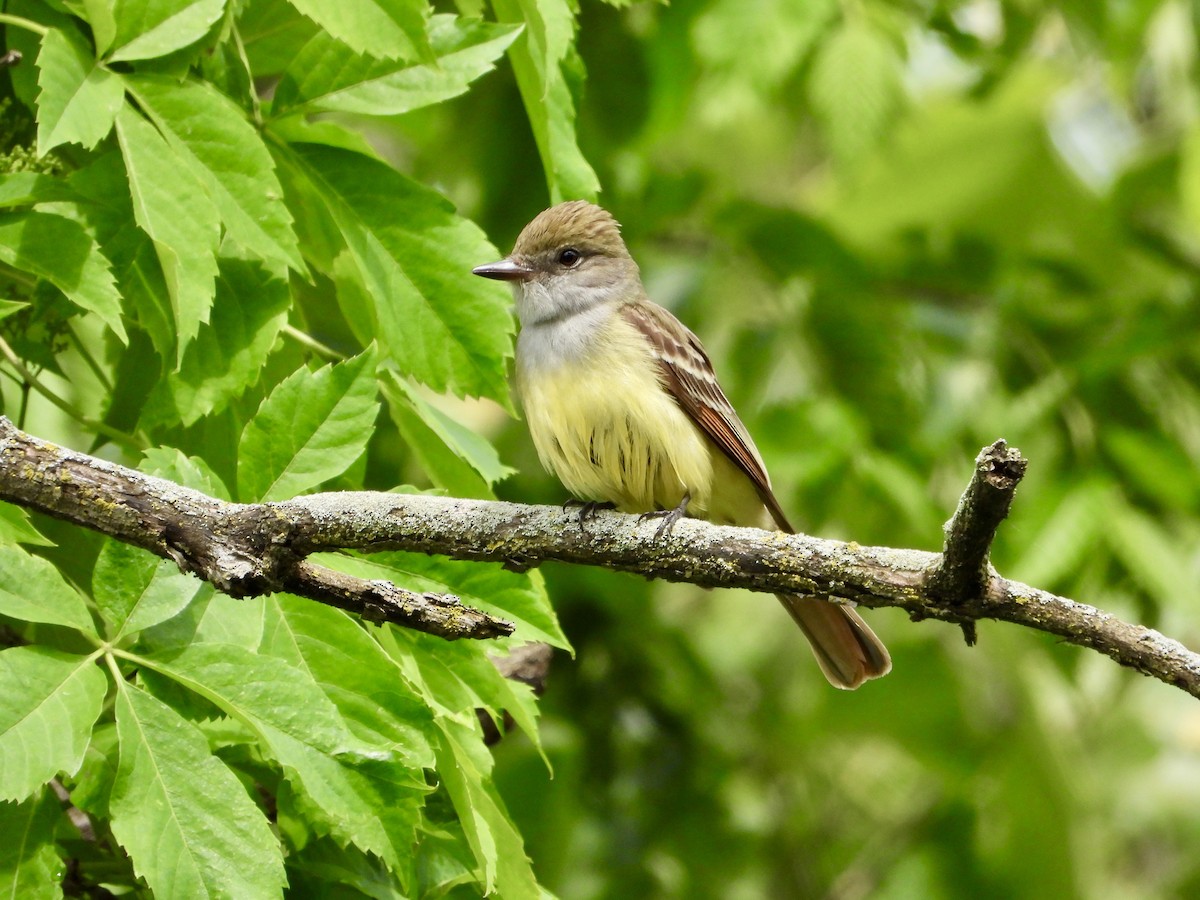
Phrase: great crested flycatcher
{"type": "Point", "coordinates": [624, 407]}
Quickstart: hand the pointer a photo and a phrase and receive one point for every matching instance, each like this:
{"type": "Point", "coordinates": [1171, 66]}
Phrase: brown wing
{"type": "Point", "coordinates": [689, 376]}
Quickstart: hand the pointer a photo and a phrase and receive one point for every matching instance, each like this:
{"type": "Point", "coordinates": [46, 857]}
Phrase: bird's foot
{"type": "Point", "coordinates": [669, 516]}
{"type": "Point", "coordinates": [588, 509]}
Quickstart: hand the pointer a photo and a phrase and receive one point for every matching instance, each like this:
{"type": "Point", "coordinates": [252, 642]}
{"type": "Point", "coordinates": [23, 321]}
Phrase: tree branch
{"type": "Point", "coordinates": [243, 550]}
{"type": "Point", "coordinates": [259, 548]}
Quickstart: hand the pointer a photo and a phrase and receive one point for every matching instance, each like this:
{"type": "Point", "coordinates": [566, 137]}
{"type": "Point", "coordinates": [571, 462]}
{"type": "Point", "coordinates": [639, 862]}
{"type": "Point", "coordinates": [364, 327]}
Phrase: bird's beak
{"type": "Point", "coordinates": [505, 270]}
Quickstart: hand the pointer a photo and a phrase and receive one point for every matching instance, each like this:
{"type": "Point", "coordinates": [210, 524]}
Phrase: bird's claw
{"type": "Point", "coordinates": [588, 509]}
{"type": "Point", "coordinates": [669, 517]}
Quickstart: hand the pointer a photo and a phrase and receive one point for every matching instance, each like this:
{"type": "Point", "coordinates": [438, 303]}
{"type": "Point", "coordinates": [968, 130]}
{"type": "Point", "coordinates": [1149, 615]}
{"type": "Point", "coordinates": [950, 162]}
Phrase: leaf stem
{"type": "Point", "coordinates": [100, 374]}
{"type": "Point", "coordinates": [27, 24]}
{"type": "Point", "coordinates": [307, 340]}
{"type": "Point", "coordinates": [117, 437]}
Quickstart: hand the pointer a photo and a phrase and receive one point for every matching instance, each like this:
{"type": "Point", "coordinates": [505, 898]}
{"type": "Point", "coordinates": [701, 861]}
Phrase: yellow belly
{"type": "Point", "coordinates": [607, 428]}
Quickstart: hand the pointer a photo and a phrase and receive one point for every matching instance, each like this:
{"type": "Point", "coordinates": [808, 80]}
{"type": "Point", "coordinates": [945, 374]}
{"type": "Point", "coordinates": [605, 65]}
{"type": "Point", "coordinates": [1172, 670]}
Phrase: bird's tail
{"type": "Point", "coordinates": [846, 648]}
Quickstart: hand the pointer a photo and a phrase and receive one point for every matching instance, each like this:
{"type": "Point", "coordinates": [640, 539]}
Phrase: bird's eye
{"type": "Point", "coordinates": [569, 257]}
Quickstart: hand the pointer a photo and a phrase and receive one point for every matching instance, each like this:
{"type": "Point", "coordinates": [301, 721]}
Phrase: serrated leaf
{"type": "Point", "coordinates": [444, 467]}
{"type": "Point", "coordinates": [30, 869]}
{"type": "Point", "coordinates": [146, 29]}
{"type": "Point", "coordinates": [211, 136]}
{"type": "Point", "coordinates": [187, 823]}
{"type": "Point", "coordinates": [855, 87]}
{"type": "Point", "coordinates": [49, 701]}
{"type": "Point", "coordinates": [413, 256]}
{"type": "Point", "coordinates": [362, 794]}
{"type": "Point", "coordinates": [31, 589]}
{"type": "Point", "coordinates": [456, 678]}
{"type": "Point", "coordinates": [537, 58]}
{"type": "Point", "coordinates": [311, 428]}
{"type": "Point", "coordinates": [134, 589]}
{"type": "Point", "coordinates": [249, 310]}
{"type": "Point", "coordinates": [465, 765]}
{"type": "Point", "coordinates": [328, 76]}
{"type": "Point", "coordinates": [79, 98]}
{"type": "Point", "coordinates": [28, 43]}
{"type": "Point", "coordinates": [171, 206]}
{"type": "Point", "coordinates": [259, 690]}
{"type": "Point", "coordinates": [354, 672]}
{"type": "Point", "coordinates": [103, 200]}
{"type": "Point", "coordinates": [61, 251]}
{"type": "Point", "coordinates": [549, 26]}
{"type": "Point", "coordinates": [15, 527]}
{"type": "Point", "coordinates": [385, 29]}
{"type": "Point", "coordinates": [470, 447]}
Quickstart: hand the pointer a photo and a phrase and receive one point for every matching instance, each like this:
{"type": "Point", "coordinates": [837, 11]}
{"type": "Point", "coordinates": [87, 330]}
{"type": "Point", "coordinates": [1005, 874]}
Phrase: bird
{"type": "Point", "coordinates": [624, 407]}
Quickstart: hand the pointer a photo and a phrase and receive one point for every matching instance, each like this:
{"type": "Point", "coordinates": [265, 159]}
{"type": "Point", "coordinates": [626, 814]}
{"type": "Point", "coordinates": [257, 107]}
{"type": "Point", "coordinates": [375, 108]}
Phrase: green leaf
{"type": "Point", "coordinates": [61, 251]}
{"type": "Point", "coordinates": [328, 76]}
{"type": "Point", "coordinates": [79, 98]}
{"type": "Point", "coordinates": [30, 869]}
{"type": "Point", "coordinates": [414, 256]}
{"type": "Point", "coordinates": [465, 765]}
{"type": "Point", "coordinates": [146, 29]}
{"type": "Point", "coordinates": [385, 29]}
{"type": "Point", "coordinates": [24, 77]}
{"type": "Point", "coordinates": [311, 428]}
{"type": "Point", "coordinates": [134, 589]}
{"type": "Point", "coordinates": [855, 87]}
{"type": "Point", "coordinates": [458, 678]}
{"type": "Point", "coordinates": [100, 15]}
{"type": "Point", "coordinates": [211, 136]}
{"type": "Point", "coordinates": [1189, 177]}
{"type": "Point", "coordinates": [1154, 557]}
{"type": "Point", "coordinates": [15, 527]}
{"type": "Point", "coordinates": [190, 471]}
{"type": "Point", "coordinates": [187, 823]}
{"type": "Point", "coordinates": [537, 59]}
{"type": "Point", "coordinates": [354, 672]}
{"type": "Point", "coordinates": [171, 206]}
{"type": "Point", "coordinates": [103, 200]}
{"type": "Point", "coordinates": [467, 445]}
{"type": "Point", "coordinates": [11, 308]}
{"type": "Point", "coordinates": [326, 862]}
{"type": "Point", "coordinates": [31, 589]}
{"type": "Point", "coordinates": [261, 691]}
{"type": "Point", "coordinates": [27, 188]}
{"type": "Point", "coordinates": [48, 706]}
{"type": "Point", "coordinates": [230, 621]}
{"type": "Point", "coordinates": [445, 468]}
{"type": "Point", "coordinates": [1070, 534]}
{"type": "Point", "coordinates": [249, 310]}
{"type": "Point", "coordinates": [362, 794]}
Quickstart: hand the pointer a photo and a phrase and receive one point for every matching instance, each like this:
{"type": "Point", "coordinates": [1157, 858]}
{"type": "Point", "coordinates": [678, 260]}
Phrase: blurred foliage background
{"type": "Point", "coordinates": [903, 229]}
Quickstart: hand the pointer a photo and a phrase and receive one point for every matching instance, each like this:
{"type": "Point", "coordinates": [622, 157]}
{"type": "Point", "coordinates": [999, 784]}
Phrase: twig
{"type": "Point", "coordinates": [247, 549]}
{"type": "Point", "coordinates": [962, 574]}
